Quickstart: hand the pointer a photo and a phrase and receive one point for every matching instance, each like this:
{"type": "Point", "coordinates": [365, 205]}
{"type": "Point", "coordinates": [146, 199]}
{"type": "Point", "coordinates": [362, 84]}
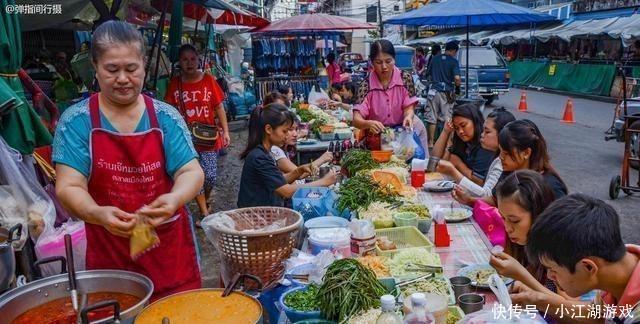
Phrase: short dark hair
{"type": "Point", "coordinates": [419, 50]}
{"type": "Point", "coordinates": [284, 89]}
{"type": "Point", "coordinates": [114, 32]}
{"type": "Point", "coordinates": [272, 96]}
{"type": "Point", "coordinates": [575, 227]}
{"type": "Point", "coordinates": [451, 46]}
{"type": "Point", "coordinates": [331, 57]}
{"type": "Point", "coordinates": [187, 48]}
{"type": "Point", "coordinates": [436, 49]}
{"type": "Point", "coordinates": [381, 46]}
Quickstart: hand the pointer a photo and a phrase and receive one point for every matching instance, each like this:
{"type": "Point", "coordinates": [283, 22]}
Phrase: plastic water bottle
{"type": "Point", "coordinates": [388, 315]}
{"type": "Point", "coordinates": [419, 314]}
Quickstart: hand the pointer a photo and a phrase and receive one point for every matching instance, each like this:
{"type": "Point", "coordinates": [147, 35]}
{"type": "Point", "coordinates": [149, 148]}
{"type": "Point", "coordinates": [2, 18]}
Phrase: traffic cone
{"type": "Point", "coordinates": [523, 101]}
{"type": "Point", "coordinates": [568, 112]}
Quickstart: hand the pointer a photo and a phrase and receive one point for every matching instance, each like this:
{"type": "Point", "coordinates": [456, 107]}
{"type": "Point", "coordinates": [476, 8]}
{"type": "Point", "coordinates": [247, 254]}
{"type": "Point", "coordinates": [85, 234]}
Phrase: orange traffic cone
{"type": "Point", "coordinates": [568, 112]}
{"type": "Point", "coordinates": [523, 101]}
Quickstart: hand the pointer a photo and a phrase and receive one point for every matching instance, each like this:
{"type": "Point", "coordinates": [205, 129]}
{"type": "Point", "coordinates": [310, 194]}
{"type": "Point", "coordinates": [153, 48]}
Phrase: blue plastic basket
{"type": "Point", "coordinates": [310, 207]}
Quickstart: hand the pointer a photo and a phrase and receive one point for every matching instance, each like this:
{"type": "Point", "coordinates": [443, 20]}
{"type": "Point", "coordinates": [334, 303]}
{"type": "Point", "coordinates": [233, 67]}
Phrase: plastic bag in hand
{"type": "Point", "coordinates": [405, 146]}
{"type": "Point", "coordinates": [317, 97]}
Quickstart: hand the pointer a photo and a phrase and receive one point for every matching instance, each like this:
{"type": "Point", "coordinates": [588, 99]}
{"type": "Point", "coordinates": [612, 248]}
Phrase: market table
{"type": "Point", "coordinates": [469, 244]}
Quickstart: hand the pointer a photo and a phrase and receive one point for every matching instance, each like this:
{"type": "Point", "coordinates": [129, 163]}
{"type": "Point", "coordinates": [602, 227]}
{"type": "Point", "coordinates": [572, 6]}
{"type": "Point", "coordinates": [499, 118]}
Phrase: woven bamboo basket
{"type": "Point", "coordinates": [258, 253]}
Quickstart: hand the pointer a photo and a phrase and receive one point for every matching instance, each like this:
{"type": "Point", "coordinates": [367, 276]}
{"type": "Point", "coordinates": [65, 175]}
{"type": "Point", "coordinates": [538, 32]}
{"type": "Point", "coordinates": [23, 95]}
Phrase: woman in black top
{"type": "Point", "coordinates": [465, 153]}
{"type": "Point", "coordinates": [261, 182]}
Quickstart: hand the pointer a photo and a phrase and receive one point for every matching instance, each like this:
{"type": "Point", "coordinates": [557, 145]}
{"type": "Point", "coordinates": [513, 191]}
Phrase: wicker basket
{"type": "Point", "coordinates": [261, 253]}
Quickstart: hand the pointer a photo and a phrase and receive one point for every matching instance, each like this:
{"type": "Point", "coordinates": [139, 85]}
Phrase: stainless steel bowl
{"type": "Point", "coordinates": [19, 300]}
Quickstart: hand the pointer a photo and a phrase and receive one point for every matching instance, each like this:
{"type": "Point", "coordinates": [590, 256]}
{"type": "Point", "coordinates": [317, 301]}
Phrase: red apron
{"type": "Point", "coordinates": [128, 171]}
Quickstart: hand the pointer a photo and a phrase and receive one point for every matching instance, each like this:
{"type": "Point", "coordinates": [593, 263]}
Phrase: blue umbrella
{"type": "Point", "coordinates": [469, 13]}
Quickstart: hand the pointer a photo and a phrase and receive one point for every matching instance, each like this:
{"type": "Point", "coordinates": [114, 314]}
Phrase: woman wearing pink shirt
{"type": "Point", "coordinates": [387, 97]}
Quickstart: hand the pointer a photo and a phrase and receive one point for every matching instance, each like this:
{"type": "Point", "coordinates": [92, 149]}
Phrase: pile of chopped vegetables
{"type": "Point", "coordinates": [366, 317]}
{"type": "Point", "coordinates": [356, 160]}
{"type": "Point", "coordinates": [303, 300]}
{"type": "Point", "coordinates": [421, 210]}
{"type": "Point", "coordinates": [395, 162]}
{"type": "Point", "coordinates": [377, 264]}
{"type": "Point", "coordinates": [377, 211]}
{"type": "Point", "coordinates": [413, 256]}
{"type": "Point", "coordinates": [360, 191]}
{"type": "Point", "coordinates": [434, 285]}
{"type": "Point", "coordinates": [347, 288]}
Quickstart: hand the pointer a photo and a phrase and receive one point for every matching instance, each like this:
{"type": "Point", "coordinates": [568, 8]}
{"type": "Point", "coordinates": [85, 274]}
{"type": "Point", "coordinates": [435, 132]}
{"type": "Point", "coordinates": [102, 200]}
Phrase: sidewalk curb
{"type": "Point", "coordinates": [565, 93]}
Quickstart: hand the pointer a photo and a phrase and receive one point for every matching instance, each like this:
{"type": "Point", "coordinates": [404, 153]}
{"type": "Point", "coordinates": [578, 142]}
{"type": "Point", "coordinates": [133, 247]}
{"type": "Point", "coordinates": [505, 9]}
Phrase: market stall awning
{"type": "Point", "coordinates": [314, 22]}
{"type": "Point", "coordinates": [469, 12]}
{"type": "Point", "coordinates": [232, 15]}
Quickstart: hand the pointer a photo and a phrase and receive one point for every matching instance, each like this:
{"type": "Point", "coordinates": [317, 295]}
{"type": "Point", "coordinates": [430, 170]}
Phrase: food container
{"type": "Point", "coordinates": [327, 136]}
{"type": "Point", "coordinates": [209, 305]}
{"type": "Point", "coordinates": [405, 219]}
{"type": "Point", "coordinates": [471, 302]}
{"type": "Point", "coordinates": [294, 315]}
{"type": "Point", "coordinates": [381, 156]}
{"type": "Point", "coordinates": [404, 237]}
{"type": "Point", "coordinates": [382, 224]}
{"type": "Point", "coordinates": [17, 301]}
{"type": "Point", "coordinates": [461, 285]}
{"type": "Point", "coordinates": [424, 225]}
{"type": "Point", "coordinates": [343, 133]}
{"type": "Point", "coordinates": [326, 129]}
{"type": "Point", "coordinates": [333, 239]}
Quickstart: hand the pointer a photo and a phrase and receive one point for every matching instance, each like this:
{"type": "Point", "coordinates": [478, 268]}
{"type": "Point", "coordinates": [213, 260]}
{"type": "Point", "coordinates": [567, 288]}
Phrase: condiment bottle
{"type": "Point", "coordinates": [389, 315]}
{"type": "Point", "coordinates": [419, 313]}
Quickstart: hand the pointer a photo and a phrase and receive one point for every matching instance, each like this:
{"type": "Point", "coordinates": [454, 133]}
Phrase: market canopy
{"type": "Point", "coordinates": [469, 13]}
{"type": "Point", "coordinates": [230, 15]}
{"type": "Point", "coordinates": [314, 22]}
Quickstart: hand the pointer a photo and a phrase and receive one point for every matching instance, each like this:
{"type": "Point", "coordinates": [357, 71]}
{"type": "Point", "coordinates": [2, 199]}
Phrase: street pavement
{"type": "Point", "coordinates": [578, 151]}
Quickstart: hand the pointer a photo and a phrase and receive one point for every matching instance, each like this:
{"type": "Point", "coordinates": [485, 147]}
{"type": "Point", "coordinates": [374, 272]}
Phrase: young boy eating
{"type": "Point", "coordinates": [577, 239]}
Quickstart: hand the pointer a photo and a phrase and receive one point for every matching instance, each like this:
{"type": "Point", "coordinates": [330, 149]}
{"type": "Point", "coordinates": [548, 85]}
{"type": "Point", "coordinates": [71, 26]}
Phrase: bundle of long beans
{"type": "Point", "coordinates": [347, 288]}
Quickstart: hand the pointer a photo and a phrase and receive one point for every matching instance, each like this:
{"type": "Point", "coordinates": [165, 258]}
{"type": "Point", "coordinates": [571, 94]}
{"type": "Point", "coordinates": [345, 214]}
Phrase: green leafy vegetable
{"type": "Point", "coordinates": [360, 191]}
{"type": "Point", "coordinates": [357, 160]}
{"type": "Point", "coordinates": [348, 287]}
{"type": "Point", "coordinates": [303, 300]}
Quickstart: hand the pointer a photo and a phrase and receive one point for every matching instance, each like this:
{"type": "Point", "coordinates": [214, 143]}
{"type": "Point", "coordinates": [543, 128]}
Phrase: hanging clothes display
{"type": "Point", "coordinates": [282, 55]}
{"type": "Point", "coordinates": [301, 85]}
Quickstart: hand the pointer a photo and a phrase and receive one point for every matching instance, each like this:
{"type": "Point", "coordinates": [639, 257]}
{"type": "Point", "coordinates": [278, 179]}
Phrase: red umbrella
{"type": "Point", "coordinates": [314, 22]}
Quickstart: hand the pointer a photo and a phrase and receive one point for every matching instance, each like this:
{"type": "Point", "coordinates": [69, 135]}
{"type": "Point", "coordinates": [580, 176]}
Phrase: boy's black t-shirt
{"type": "Point", "coordinates": [259, 180]}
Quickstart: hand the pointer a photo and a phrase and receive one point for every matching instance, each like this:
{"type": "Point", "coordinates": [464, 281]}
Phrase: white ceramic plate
{"type": "Point", "coordinates": [471, 271]}
{"type": "Point", "coordinates": [457, 215]}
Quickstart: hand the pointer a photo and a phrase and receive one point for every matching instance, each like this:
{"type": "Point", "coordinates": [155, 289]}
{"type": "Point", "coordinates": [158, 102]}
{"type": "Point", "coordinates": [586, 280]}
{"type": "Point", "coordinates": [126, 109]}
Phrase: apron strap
{"type": "Point", "coordinates": [94, 111]}
{"type": "Point", "coordinates": [151, 112]}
